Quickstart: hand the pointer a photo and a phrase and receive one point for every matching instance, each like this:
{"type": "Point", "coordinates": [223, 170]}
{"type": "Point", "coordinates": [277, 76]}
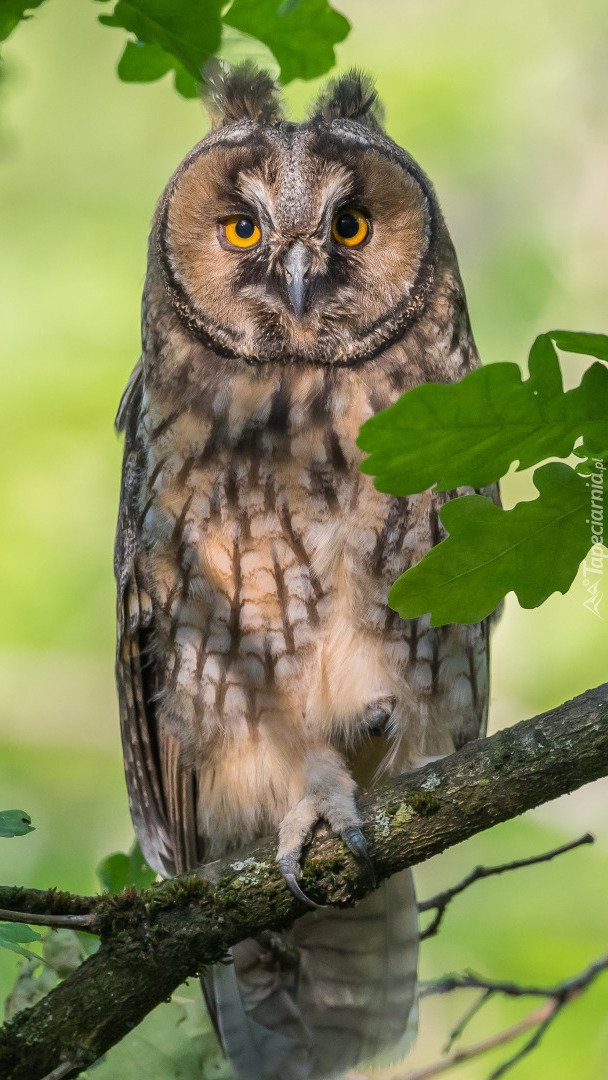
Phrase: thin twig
{"type": "Point", "coordinates": [66, 922]}
{"type": "Point", "coordinates": [442, 899]}
{"type": "Point", "coordinates": [538, 1017]}
{"type": "Point", "coordinates": [555, 1007]}
{"type": "Point", "coordinates": [559, 996]}
{"type": "Point", "coordinates": [466, 1019]}
{"type": "Point", "coordinates": [563, 991]}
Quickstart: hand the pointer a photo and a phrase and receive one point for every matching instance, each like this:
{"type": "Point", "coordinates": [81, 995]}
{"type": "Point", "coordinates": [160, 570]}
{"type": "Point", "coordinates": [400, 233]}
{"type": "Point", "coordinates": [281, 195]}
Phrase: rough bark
{"type": "Point", "coordinates": [151, 942]}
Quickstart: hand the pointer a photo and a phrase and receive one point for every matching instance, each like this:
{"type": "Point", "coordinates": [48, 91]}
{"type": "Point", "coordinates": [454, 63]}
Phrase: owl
{"type": "Point", "coordinates": [300, 278]}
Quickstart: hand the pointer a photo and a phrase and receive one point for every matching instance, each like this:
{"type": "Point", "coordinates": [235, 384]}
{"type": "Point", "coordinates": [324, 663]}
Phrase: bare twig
{"type": "Point", "coordinates": [66, 922]}
{"type": "Point", "coordinates": [538, 1017]}
{"type": "Point", "coordinates": [559, 996]}
{"type": "Point", "coordinates": [472, 1011]}
{"type": "Point", "coordinates": [470, 981]}
{"type": "Point", "coordinates": [442, 899]}
{"type": "Point", "coordinates": [554, 1007]}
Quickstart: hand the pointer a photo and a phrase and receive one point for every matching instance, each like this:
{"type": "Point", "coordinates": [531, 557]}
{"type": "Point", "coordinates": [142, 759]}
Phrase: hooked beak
{"type": "Point", "coordinates": [297, 267]}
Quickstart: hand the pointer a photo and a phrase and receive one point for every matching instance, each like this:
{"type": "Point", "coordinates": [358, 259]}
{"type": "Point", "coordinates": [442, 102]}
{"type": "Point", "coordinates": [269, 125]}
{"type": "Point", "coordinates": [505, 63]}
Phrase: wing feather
{"type": "Point", "coordinates": [160, 784]}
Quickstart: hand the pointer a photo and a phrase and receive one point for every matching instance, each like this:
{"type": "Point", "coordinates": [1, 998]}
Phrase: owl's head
{"type": "Point", "coordinates": [280, 241]}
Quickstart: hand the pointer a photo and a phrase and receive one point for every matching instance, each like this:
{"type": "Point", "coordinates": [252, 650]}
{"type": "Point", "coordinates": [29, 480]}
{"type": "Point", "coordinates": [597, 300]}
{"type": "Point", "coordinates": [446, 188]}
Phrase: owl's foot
{"type": "Point", "coordinates": [331, 796]}
{"type": "Point", "coordinates": [289, 865]}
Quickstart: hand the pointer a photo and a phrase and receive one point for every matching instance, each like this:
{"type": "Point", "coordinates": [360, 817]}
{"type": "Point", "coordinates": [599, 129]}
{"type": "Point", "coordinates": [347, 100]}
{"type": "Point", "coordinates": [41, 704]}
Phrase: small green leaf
{"type": "Point", "coordinates": [469, 433]}
{"type": "Point", "coordinates": [12, 12]}
{"type": "Point", "coordinates": [189, 33]}
{"type": "Point", "coordinates": [300, 35]}
{"type": "Point", "coordinates": [119, 871]}
{"type": "Point", "coordinates": [533, 550]}
{"type": "Point", "coordinates": [13, 934]}
{"type": "Point", "coordinates": [15, 823]}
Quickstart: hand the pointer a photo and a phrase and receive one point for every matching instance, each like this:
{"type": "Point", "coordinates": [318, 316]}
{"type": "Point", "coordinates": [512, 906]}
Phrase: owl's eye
{"type": "Point", "coordinates": [350, 227]}
{"type": "Point", "coordinates": [241, 231]}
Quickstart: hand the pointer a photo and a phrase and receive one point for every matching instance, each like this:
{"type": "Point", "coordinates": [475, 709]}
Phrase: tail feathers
{"type": "Point", "coordinates": [349, 998]}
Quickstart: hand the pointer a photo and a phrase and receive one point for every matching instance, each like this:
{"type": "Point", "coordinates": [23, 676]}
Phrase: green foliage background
{"type": "Point", "coordinates": [506, 107]}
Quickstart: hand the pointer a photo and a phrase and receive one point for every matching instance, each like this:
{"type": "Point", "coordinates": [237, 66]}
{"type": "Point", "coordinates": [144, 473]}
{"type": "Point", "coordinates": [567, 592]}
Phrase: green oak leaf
{"type": "Point", "coordinates": [146, 63]}
{"type": "Point", "coordinates": [173, 1042]}
{"type": "Point", "coordinates": [188, 32]}
{"type": "Point", "coordinates": [12, 12]}
{"type": "Point", "coordinates": [533, 550]}
{"type": "Point", "coordinates": [574, 341]}
{"type": "Point", "coordinates": [237, 48]}
{"type": "Point", "coordinates": [15, 823]}
{"type": "Point", "coordinates": [300, 35]}
{"type": "Point", "coordinates": [469, 433]}
{"type": "Point", "coordinates": [592, 465]}
{"type": "Point", "coordinates": [13, 934]}
{"type": "Point", "coordinates": [119, 871]}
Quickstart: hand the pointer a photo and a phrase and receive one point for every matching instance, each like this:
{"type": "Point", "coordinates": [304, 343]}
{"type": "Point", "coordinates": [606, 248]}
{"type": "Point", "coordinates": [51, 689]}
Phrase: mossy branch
{"type": "Point", "coordinates": [152, 941]}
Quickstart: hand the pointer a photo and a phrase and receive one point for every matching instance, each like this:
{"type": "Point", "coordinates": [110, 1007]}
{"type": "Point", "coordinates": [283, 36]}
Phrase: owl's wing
{"type": "Point", "coordinates": [161, 787]}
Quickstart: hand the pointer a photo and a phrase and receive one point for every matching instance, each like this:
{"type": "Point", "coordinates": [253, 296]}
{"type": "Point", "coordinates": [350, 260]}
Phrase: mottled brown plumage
{"type": "Point", "coordinates": [259, 668]}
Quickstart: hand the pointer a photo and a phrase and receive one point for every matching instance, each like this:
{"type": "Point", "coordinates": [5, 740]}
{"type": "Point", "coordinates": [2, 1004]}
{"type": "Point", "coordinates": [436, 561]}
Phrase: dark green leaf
{"type": "Point", "coordinates": [13, 934]}
{"type": "Point", "coordinates": [533, 550]}
{"type": "Point", "coordinates": [237, 48]}
{"type": "Point", "coordinates": [575, 342]}
{"type": "Point", "coordinates": [469, 433]}
{"type": "Point", "coordinates": [12, 12]}
{"type": "Point", "coordinates": [188, 32]}
{"type": "Point", "coordinates": [145, 63]}
{"type": "Point", "coordinates": [591, 464]}
{"type": "Point", "coordinates": [120, 871]}
{"type": "Point", "coordinates": [543, 365]}
{"type": "Point", "coordinates": [300, 35]}
{"type": "Point", "coordinates": [15, 823]}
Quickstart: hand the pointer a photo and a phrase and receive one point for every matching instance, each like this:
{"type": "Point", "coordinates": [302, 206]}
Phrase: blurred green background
{"type": "Point", "coordinates": [506, 107]}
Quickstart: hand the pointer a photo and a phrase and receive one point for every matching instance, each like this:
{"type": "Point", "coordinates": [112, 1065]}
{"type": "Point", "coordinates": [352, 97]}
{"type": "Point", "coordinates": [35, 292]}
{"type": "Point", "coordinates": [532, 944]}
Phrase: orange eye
{"type": "Point", "coordinates": [241, 231]}
{"type": "Point", "coordinates": [349, 227]}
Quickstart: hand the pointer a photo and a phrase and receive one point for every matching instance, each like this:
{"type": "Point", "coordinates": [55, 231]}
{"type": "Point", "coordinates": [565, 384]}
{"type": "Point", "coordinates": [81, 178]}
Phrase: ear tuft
{"type": "Point", "coordinates": [351, 97]}
{"type": "Point", "coordinates": [240, 93]}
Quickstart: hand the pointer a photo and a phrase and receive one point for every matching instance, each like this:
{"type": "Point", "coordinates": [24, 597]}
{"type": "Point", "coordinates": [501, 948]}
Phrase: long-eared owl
{"type": "Point", "coordinates": [300, 278]}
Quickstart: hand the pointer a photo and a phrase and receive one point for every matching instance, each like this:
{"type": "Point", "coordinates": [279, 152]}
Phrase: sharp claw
{"type": "Point", "coordinates": [290, 869]}
{"type": "Point", "coordinates": [356, 842]}
{"type": "Point", "coordinates": [292, 884]}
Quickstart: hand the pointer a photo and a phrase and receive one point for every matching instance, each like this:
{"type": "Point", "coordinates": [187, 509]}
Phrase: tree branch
{"type": "Point", "coordinates": [441, 900]}
{"type": "Point", "coordinates": [535, 1019]}
{"type": "Point", "coordinates": [65, 922]}
{"type": "Point", "coordinates": [558, 997]}
{"type": "Point", "coordinates": [172, 930]}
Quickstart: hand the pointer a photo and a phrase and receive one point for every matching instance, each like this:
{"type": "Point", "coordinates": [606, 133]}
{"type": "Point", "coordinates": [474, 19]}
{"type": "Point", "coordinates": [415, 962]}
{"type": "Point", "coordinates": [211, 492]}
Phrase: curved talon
{"type": "Point", "coordinates": [290, 869]}
{"type": "Point", "coordinates": [293, 886]}
{"type": "Point", "coordinates": [356, 842]}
